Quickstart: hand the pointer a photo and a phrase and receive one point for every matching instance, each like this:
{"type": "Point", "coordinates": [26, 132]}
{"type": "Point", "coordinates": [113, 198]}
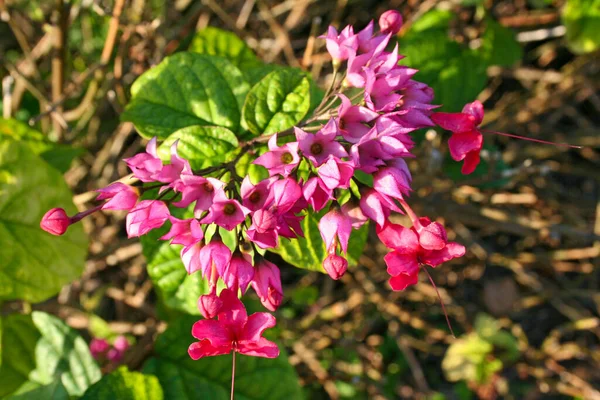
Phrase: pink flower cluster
{"type": "Point", "coordinates": [310, 170]}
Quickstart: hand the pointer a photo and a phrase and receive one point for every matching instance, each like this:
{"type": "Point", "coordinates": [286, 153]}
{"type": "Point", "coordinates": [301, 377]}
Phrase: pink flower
{"type": "Point", "coordinates": [214, 255]}
{"type": "Point", "coordinates": [336, 173]}
{"type": "Point", "coordinates": [267, 284]}
{"type": "Point", "coordinates": [407, 254]}
{"type": "Point", "coordinates": [184, 231]}
{"type": "Point", "coordinates": [284, 195]}
{"type": "Point", "coordinates": [114, 356]}
{"type": "Point", "coordinates": [340, 46]}
{"type": "Point", "coordinates": [200, 190]}
{"type": "Point", "coordinates": [254, 197]}
{"type": "Point", "coordinates": [377, 206]}
{"type": "Point", "coordinates": [146, 166]}
{"type": "Point", "coordinates": [279, 160]}
{"type": "Point", "coordinates": [352, 211]}
{"type": "Point", "coordinates": [98, 347]}
{"type": "Point", "coordinates": [55, 221]}
{"type": "Point", "coordinates": [171, 173]}
{"type": "Point", "coordinates": [466, 140]}
{"type": "Point", "coordinates": [145, 216]}
{"type": "Point", "coordinates": [225, 212]}
{"type": "Point", "coordinates": [390, 22]}
{"type": "Point", "coordinates": [263, 230]}
{"type": "Point", "coordinates": [316, 193]}
{"type": "Point", "coordinates": [122, 197]}
{"type": "Point", "coordinates": [335, 266]}
{"type": "Point", "coordinates": [393, 180]}
{"type": "Point", "coordinates": [335, 227]}
{"type": "Point", "coordinates": [352, 119]}
{"type": "Point", "coordinates": [233, 331]}
{"type": "Point", "coordinates": [317, 147]}
{"type": "Point", "coordinates": [238, 273]}
{"type": "Point", "coordinates": [210, 305]}
{"type": "Point", "coordinates": [190, 256]}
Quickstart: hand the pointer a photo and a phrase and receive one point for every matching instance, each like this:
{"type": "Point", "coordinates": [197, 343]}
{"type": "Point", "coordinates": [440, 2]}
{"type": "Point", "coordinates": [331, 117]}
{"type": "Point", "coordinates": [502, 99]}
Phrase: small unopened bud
{"type": "Point", "coordinates": [209, 305]}
{"type": "Point", "coordinates": [121, 343]}
{"type": "Point", "coordinates": [335, 266]}
{"type": "Point", "coordinates": [390, 22]}
{"type": "Point", "coordinates": [98, 347]}
{"type": "Point", "coordinates": [55, 221]}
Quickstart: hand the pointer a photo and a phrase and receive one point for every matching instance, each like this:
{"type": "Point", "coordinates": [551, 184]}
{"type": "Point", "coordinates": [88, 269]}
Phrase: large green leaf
{"type": "Point", "coordinates": [277, 102]}
{"type": "Point", "coordinates": [61, 354]}
{"type": "Point", "coordinates": [309, 252]}
{"type": "Point", "coordinates": [33, 391]}
{"type": "Point", "coordinates": [582, 20]}
{"type": "Point", "coordinates": [187, 89]}
{"type": "Point", "coordinates": [202, 146]}
{"type": "Point", "coordinates": [217, 42]}
{"type": "Point", "coordinates": [500, 46]}
{"type": "Point", "coordinates": [34, 265]}
{"type": "Point", "coordinates": [58, 155]}
{"type": "Point", "coordinates": [125, 385]}
{"type": "Point", "coordinates": [210, 378]}
{"type": "Point", "coordinates": [19, 337]}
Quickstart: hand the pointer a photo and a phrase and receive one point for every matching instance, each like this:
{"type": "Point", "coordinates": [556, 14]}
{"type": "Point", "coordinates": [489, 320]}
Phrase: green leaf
{"type": "Point", "coordinates": [500, 47]}
{"type": "Point", "coordinates": [187, 89]}
{"type": "Point", "coordinates": [279, 101]}
{"type": "Point", "coordinates": [58, 155]}
{"type": "Point", "coordinates": [434, 19]}
{"type": "Point", "coordinates": [217, 42]}
{"type": "Point", "coordinates": [210, 378]}
{"type": "Point", "coordinates": [34, 265]}
{"type": "Point", "coordinates": [33, 390]}
{"type": "Point", "coordinates": [19, 337]}
{"type": "Point", "coordinates": [465, 358]}
{"type": "Point", "coordinates": [61, 354]}
{"type": "Point", "coordinates": [125, 385]}
{"type": "Point", "coordinates": [202, 146]}
{"type": "Point", "coordinates": [582, 20]}
{"type": "Point", "coordinates": [309, 252]}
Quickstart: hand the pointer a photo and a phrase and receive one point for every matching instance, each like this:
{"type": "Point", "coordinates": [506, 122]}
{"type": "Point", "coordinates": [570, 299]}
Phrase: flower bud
{"type": "Point", "coordinates": [390, 22]}
{"type": "Point", "coordinates": [55, 221]}
{"type": "Point", "coordinates": [335, 266]}
{"type": "Point", "coordinates": [267, 284]}
{"type": "Point", "coordinates": [98, 347]}
{"type": "Point", "coordinates": [121, 343]}
{"type": "Point", "coordinates": [209, 305]}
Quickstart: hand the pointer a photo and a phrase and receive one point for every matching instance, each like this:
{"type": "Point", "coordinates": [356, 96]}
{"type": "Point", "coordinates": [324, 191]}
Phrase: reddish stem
{"type": "Point", "coordinates": [441, 301]}
{"type": "Point", "coordinates": [533, 140]}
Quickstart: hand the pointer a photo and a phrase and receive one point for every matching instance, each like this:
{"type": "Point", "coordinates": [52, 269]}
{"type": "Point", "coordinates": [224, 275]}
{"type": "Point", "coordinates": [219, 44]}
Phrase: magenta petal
{"type": "Point", "coordinates": [437, 257]}
{"type": "Point", "coordinates": [204, 348]}
{"type": "Point", "coordinates": [454, 122]}
{"type": "Point", "coordinates": [401, 263]}
{"type": "Point", "coordinates": [399, 238]}
{"type": "Point", "coordinates": [212, 330]}
{"type": "Point", "coordinates": [402, 281]}
{"type": "Point", "coordinates": [256, 325]}
{"type": "Point", "coordinates": [233, 314]}
{"type": "Point", "coordinates": [462, 143]}
{"type": "Point", "coordinates": [433, 236]}
{"type": "Point", "coordinates": [475, 109]}
{"type": "Point", "coordinates": [261, 348]}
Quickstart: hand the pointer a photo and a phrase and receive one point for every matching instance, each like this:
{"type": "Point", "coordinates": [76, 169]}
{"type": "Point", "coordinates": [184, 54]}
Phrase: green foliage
{"type": "Point", "coordinates": [32, 391]}
{"type": "Point", "coordinates": [19, 337]}
{"type": "Point", "coordinates": [125, 385]}
{"type": "Point", "coordinates": [217, 42]}
{"type": "Point", "coordinates": [202, 146]}
{"type": "Point", "coordinates": [473, 358]}
{"type": "Point", "coordinates": [277, 102]}
{"type": "Point", "coordinates": [210, 378]}
{"type": "Point", "coordinates": [33, 264]}
{"type": "Point", "coordinates": [582, 20]}
{"type": "Point", "coordinates": [57, 155]}
{"type": "Point", "coordinates": [309, 252]}
{"type": "Point", "coordinates": [61, 354]}
{"type": "Point", "coordinates": [456, 74]}
{"type": "Point", "coordinates": [187, 89]}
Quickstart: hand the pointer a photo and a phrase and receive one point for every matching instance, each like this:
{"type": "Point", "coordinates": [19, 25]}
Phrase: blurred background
{"type": "Point", "coordinates": [524, 302]}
